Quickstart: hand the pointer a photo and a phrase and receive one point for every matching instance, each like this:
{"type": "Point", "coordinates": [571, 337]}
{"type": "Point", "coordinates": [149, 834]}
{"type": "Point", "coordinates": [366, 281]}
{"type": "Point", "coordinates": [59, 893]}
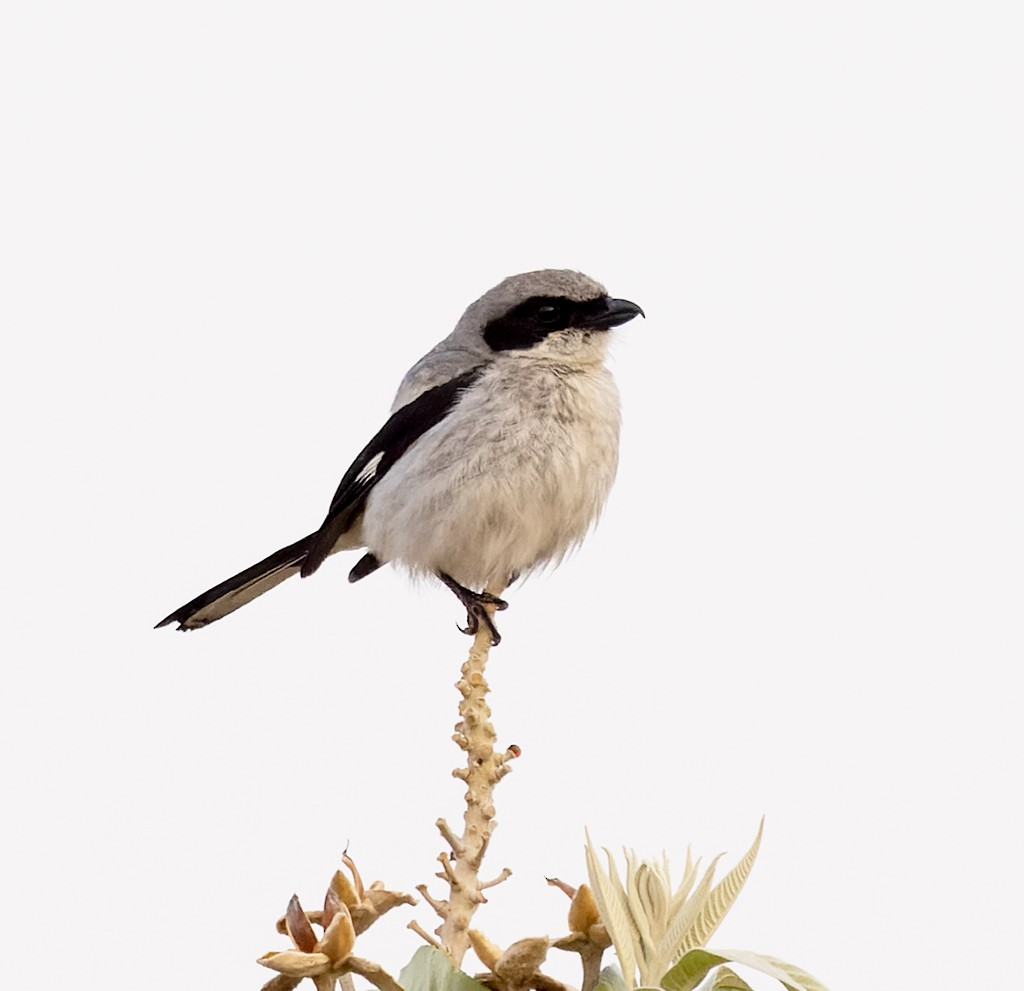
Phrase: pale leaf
{"type": "Point", "coordinates": [611, 900]}
{"type": "Point", "coordinates": [658, 894]}
{"type": "Point", "coordinates": [689, 876]}
{"type": "Point", "coordinates": [635, 907]}
{"type": "Point", "coordinates": [671, 947]}
{"type": "Point", "coordinates": [721, 899]}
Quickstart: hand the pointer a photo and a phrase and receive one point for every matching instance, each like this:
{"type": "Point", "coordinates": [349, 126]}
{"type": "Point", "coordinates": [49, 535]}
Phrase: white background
{"type": "Point", "coordinates": [227, 231]}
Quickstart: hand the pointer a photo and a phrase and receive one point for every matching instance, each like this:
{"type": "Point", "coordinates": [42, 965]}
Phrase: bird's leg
{"type": "Point", "coordinates": [476, 611]}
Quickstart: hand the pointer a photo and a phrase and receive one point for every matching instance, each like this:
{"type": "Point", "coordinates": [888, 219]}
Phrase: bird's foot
{"type": "Point", "coordinates": [477, 611]}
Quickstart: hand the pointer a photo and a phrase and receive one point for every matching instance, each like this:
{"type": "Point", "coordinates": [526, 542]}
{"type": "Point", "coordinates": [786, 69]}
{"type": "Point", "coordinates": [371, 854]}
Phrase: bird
{"type": "Point", "coordinates": [497, 458]}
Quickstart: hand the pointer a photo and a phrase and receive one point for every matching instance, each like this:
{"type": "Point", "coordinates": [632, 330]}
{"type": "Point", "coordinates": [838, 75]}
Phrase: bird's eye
{"type": "Point", "coordinates": [548, 314]}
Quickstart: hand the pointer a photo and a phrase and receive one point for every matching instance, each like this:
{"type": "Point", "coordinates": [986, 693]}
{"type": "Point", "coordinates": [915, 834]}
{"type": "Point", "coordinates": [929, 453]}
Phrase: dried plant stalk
{"type": "Point", "coordinates": [484, 769]}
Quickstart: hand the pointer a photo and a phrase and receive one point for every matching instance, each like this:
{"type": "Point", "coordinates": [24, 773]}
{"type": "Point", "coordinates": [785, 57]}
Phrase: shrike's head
{"type": "Point", "coordinates": [552, 312]}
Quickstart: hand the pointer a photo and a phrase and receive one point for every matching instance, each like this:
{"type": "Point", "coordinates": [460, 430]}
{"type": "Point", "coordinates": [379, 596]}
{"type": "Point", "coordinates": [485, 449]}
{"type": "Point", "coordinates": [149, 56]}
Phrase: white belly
{"type": "Point", "coordinates": [512, 479]}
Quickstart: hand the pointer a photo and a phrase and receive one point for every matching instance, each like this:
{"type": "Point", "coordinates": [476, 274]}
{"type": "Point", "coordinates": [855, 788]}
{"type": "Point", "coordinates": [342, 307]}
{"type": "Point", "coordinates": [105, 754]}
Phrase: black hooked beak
{"type": "Point", "coordinates": [613, 312]}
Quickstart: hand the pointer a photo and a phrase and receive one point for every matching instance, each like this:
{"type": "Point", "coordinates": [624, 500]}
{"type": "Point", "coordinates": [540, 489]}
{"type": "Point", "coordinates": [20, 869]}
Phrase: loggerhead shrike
{"type": "Point", "coordinates": [497, 459]}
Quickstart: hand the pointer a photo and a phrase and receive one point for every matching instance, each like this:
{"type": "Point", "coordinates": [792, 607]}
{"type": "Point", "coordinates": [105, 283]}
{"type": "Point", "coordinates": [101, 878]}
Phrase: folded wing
{"type": "Point", "coordinates": [404, 427]}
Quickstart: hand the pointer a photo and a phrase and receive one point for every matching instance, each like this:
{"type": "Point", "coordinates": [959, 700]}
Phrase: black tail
{"type": "Point", "coordinates": [241, 588]}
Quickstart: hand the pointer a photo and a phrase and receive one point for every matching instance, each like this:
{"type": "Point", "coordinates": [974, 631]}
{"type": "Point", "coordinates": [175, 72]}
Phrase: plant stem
{"type": "Point", "coordinates": [484, 769]}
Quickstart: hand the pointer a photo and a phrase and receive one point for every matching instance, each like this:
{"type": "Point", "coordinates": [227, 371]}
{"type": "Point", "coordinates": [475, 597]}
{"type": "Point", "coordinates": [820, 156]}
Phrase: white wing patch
{"type": "Point", "coordinates": [368, 473]}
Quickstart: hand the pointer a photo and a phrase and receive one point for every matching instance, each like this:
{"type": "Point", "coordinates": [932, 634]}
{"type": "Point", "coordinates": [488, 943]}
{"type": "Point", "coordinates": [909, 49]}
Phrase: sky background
{"type": "Point", "coordinates": [227, 230]}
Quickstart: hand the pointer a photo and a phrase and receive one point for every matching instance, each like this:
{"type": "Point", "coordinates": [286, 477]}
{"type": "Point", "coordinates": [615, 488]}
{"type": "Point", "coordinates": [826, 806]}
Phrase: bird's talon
{"type": "Point", "coordinates": [478, 608]}
{"type": "Point", "coordinates": [492, 629]}
{"type": "Point", "coordinates": [472, 624]}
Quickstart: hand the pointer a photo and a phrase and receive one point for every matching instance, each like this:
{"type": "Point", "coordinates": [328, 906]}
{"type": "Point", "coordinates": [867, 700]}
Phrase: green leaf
{"type": "Point", "coordinates": [729, 980]}
{"type": "Point", "coordinates": [610, 980]}
{"type": "Point", "coordinates": [691, 970]}
{"type": "Point", "coordinates": [789, 975]}
{"type": "Point", "coordinates": [697, 964]}
{"type": "Point", "coordinates": [430, 970]}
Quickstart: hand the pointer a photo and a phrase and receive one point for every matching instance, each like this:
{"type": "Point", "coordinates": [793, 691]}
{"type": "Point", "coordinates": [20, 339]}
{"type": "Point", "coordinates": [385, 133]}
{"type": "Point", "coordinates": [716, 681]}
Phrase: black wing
{"type": "Point", "coordinates": [405, 426]}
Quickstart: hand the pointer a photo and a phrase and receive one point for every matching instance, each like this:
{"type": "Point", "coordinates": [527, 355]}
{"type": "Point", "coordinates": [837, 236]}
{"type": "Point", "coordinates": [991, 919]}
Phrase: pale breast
{"type": "Point", "coordinates": [511, 480]}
